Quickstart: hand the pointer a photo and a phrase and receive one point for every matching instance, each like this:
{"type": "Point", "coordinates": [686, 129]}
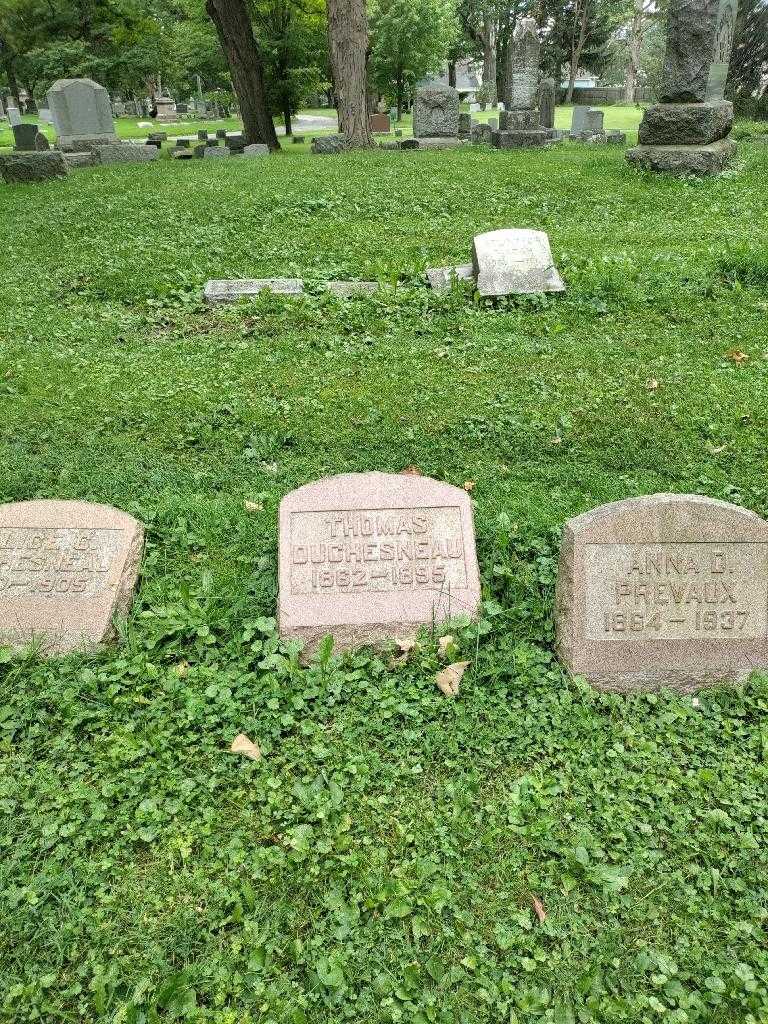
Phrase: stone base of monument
{"type": "Point", "coordinates": [685, 124]}
{"type": "Point", "coordinates": [374, 557]}
{"type": "Point", "coordinates": [22, 168]}
{"type": "Point", "coordinates": [697, 161]}
{"type": "Point", "coordinates": [520, 139]}
{"type": "Point", "coordinates": [124, 153]}
{"type": "Point", "coordinates": [83, 143]}
{"type": "Point", "coordinates": [438, 142]}
{"type": "Point", "coordinates": [78, 159]}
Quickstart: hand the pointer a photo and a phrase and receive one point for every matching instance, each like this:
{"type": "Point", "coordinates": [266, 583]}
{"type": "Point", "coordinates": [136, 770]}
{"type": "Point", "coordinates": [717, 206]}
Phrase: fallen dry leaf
{"type": "Point", "coordinates": [406, 645]}
{"type": "Point", "coordinates": [737, 356]}
{"type": "Point", "coordinates": [182, 669]}
{"type": "Point", "coordinates": [556, 440]}
{"type": "Point", "coordinates": [449, 680]}
{"type": "Point", "coordinates": [242, 745]}
{"type": "Point", "coordinates": [253, 506]}
{"type": "Point", "coordinates": [538, 909]}
{"type": "Point", "coordinates": [411, 471]}
{"type": "Point", "coordinates": [652, 384]}
{"type": "Point", "coordinates": [469, 486]}
{"type": "Point", "coordinates": [443, 644]}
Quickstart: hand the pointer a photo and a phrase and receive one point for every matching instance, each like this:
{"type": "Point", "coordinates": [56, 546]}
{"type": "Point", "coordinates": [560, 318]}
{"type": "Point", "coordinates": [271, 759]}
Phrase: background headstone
{"type": "Point", "coordinates": [547, 102]}
{"type": "Point", "coordinates": [664, 590]}
{"type": "Point", "coordinates": [82, 113]}
{"type": "Point", "coordinates": [436, 112]}
{"type": "Point", "coordinates": [687, 132]}
{"type": "Point", "coordinates": [368, 557]}
{"type": "Point", "coordinates": [24, 136]}
{"type": "Point", "coordinates": [14, 117]}
{"type": "Point", "coordinates": [66, 569]}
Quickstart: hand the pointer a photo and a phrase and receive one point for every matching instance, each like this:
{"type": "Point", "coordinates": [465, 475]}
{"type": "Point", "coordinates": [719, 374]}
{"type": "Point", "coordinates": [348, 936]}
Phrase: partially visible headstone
{"type": "Point", "coordinates": [256, 149]}
{"type": "Point", "coordinates": [154, 142]}
{"type": "Point", "coordinates": [493, 123]}
{"type": "Point", "coordinates": [30, 107]}
{"type": "Point", "coordinates": [166, 109]}
{"type": "Point", "coordinates": [687, 132]}
{"type": "Point", "coordinates": [157, 137]}
{"type": "Point", "coordinates": [21, 168]}
{"type": "Point", "coordinates": [593, 122]}
{"type": "Point", "coordinates": [578, 118]}
{"type": "Point", "coordinates": [42, 145]}
{"type": "Point", "coordinates": [24, 136]}
{"type": "Point", "coordinates": [465, 125]}
{"type": "Point", "coordinates": [514, 261]}
{"type": "Point", "coordinates": [370, 557]}
{"type": "Point", "coordinates": [202, 135]}
{"type": "Point", "coordinates": [82, 114]}
{"type": "Point", "coordinates": [481, 133]}
{"type": "Point", "coordinates": [215, 151]}
{"type": "Point", "coordinates": [231, 291]}
{"type": "Point", "coordinates": [124, 153]}
{"type": "Point", "coordinates": [297, 140]}
{"type": "Point", "coordinates": [436, 112]}
{"type": "Point", "coordinates": [664, 590]}
{"type": "Point", "coordinates": [45, 115]}
{"type": "Point", "coordinates": [182, 108]}
{"type": "Point", "coordinates": [221, 133]}
{"type": "Point", "coordinates": [328, 145]}
{"type": "Point", "coordinates": [379, 124]}
{"type": "Point", "coordinates": [547, 100]}
{"type": "Point", "coordinates": [183, 143]}
{"type": "Point", "coordinates": [199, 151]}
{"type": "Point", "coordinates": [79, 159]}
{"type": "Point", "coordinates": [474, 108]}
{"type": "Point", "coordinates": [14, 117]}
{"type": "Point", "coordinates": [409, 144]}
{"type": "Point", "coordinates": [616, 137]}
{"type": "Point", "coordinates": [182, 153]}
{"type": "Point", "coordinates": [441, 278]}
{"type": "Point", "coordinates": [67, 570]}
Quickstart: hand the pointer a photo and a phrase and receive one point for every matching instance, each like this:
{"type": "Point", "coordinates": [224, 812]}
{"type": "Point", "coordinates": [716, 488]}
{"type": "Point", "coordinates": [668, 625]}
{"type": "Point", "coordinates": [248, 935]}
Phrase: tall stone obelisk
{"type": "Point", "coordinates": [687, 132]}
{"type": "Point", "coordinates": [519, 123]}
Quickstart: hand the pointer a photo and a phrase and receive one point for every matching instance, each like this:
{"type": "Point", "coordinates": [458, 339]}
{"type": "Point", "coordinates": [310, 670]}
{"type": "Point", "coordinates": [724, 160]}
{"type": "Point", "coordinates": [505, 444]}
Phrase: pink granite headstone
{"type": "Point", "coordinates": [369, 557]}
{"type": "Point", "coordinates": [67, 568]}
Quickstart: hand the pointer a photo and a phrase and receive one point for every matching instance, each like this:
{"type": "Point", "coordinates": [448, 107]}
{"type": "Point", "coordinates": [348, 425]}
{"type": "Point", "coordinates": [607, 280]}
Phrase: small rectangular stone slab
{"type": "Point", "coordinates": [514, 261]}
{"type": "Point", "coordinates": [23, 168]}
{"type": "Point", "coordinates": [349, 289]}
{"type": "Point", "coordinates": [368, 557]}
{"type": "Point", "coordinates": [210, 152]}
{"type": "Point", "coordinates": [67, 568]}
{"type": "Point", "coordinates": [441, 278]}
{"type": "Point", "coordinates": [124, 153]}
{"type": "Point", "coordinates": [664, 590]}
{"type": "Point", "coordinates": [231, 291]}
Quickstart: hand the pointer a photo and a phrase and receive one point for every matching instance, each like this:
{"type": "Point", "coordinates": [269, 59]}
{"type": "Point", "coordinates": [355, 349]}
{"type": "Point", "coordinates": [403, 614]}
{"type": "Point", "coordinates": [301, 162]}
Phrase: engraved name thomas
{"type": "Point", "coordinates": [676, 591]}
{"type": "Point", "coordinates": [377, 550]}
{"type": "Point", "coordinates": [42, 560]}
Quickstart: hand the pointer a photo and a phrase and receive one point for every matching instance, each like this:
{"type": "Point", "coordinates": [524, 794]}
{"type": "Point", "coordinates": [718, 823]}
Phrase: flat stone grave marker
{"type": "Point", "coordinates": [66, 569]}
{"type": "Point", "coordinates": [514, 261]}
{"type": "Point", "coordinates": [231, 291]}
{"type": "Point", "coordinates": [663, 590]}
{"type": "Point", "coordinates": [368, 557]}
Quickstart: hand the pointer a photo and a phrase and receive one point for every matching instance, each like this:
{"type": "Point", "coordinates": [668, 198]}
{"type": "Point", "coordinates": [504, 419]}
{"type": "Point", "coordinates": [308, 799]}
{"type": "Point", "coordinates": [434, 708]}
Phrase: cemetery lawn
{"type": "Point", "coordinates": [531, 851]}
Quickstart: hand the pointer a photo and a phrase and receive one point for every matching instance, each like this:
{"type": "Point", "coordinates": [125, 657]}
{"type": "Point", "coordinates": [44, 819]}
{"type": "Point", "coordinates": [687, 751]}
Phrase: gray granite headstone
{"type": "Point", "coordinates": [211, 152]}
{"type": "Point", "coordinates": [514, 261]}
{"type": "Point", "coordinates": [42, 145]}
{"type": "Point", "coordinates": [578, 119]}
{"type": "Point", "coordinates": [547, 100]}
{"type": "Point", "coordinates": [24, 136]}
{"type": "Point", "coordinates": [665, 590]}
{"type": "Point", "coordinates": [14, 117]}
{"type": "Point", "coordinates": [81, 112]}
{"type": "Point", "coordinates": [124, 153]}
{"type": "Point", "coordinates": [328, 145]}
{"type": "Point", "coordinates": [436, 112]}
{"type": "Point", "coordinates": [256, 149]}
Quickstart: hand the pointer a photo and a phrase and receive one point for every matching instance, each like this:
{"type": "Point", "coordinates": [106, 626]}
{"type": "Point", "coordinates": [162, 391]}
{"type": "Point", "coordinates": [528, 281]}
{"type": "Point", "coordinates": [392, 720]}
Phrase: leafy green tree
{"type": "Point", "coordinates": [411, 38]}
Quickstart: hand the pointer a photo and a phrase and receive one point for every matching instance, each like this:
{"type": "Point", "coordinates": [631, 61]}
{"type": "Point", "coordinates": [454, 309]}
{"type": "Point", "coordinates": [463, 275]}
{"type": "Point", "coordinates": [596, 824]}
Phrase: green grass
{"type": "Point", "coordinates": [379, 864]}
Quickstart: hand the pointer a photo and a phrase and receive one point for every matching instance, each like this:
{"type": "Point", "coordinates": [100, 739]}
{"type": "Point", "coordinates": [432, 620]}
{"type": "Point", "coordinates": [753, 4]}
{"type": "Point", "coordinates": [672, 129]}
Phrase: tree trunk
{"type": "Point", "coordinates": [452, 73]}
{"type": "Point", "coordinates": [235, 31]}
{"type": "Point", "coordinates": [489, 62]}
{"type": "Point", "coordinates": [348, 40]}
{"type": "Point", "coordinates": [7, 64]}
{"type": "Point", "coordinates": [399, 84]}
{"type": "Point", "coordinates": [577, 45]}
{"type": "Point", "coordinates": [635, 42]}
